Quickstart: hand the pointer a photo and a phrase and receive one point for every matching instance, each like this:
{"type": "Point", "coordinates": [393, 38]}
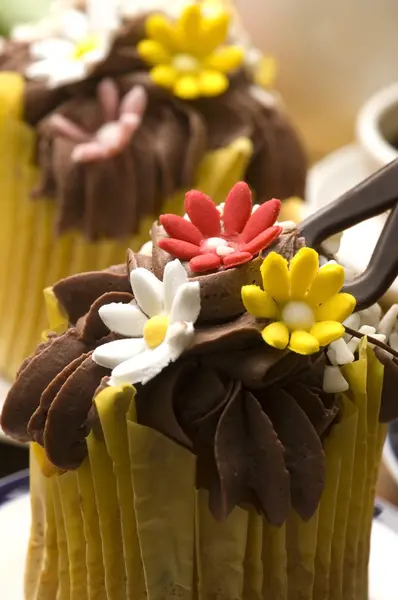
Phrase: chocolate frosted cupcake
{"type": "Point", "coordinates": [105, 122]}
{"type": "Point", "coordinates": [206, 425]}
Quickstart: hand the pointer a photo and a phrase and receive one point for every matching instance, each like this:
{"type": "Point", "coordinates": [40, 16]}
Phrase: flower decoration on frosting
{"type": "Point", "coordinates": [302, 301]}
{"type": "Point", "coordinates": [83, 40]}
{"type": "Point", "coordinates": [190, 57]}
{"type": "Point", "coordinates": [157, 327]}
{"type": "Point", "coordinates": [121, 119]}
{"type": "Point", "coordinates": [211, 239]}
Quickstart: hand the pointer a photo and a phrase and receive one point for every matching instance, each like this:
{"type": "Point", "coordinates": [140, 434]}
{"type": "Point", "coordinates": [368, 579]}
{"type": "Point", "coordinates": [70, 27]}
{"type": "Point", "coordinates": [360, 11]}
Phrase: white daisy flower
{"type": "Point", "coordinates": [158, 325]}
{"type": "Point", "coordinates": [82, 40]}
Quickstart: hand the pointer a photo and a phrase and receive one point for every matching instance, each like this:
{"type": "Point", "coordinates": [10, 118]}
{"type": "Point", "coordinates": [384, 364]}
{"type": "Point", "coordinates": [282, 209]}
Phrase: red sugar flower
{"type": "Point", "coordinates": [210, 240]}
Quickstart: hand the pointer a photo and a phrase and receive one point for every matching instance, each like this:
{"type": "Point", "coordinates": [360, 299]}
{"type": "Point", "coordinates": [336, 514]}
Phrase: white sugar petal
{"type": "Point", "coordinates": [125, 319]}
{"type": "Point", "coordinates": [353, 322]}
{"type": "Point", "coordinates": [333, 381]}
{"type": "Point", "coordinates": [95, 56]}
{"type": "Point", "coordinates": [342, 353]}
{"type": "Point", "coordinates": [389, 321]}
{"type": "Point", "coordinates": [174, 277]}
{"type": "Point", "coordinates": [52, 48]}
{"type": "Point", "coordinates": [74, 25]}
{"type": "Point", "coordinates": [353, 344]}
{"type": "Point", "coordinates": [67, 72]}
{"type": "Point", "coordinates": [371, 316]}
{"type": "Point", "coordinates": [148, 291]}
{"type": "Point", "coordinates": [114, 353]}
{"type": "Point", "coordinates": [186, 305]}
{"type": "Point", "coordinates": [179, 338]}
{"type": "Point", "coordinates": [143, 367]}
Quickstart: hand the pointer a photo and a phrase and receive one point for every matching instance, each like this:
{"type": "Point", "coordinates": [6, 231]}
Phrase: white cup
{"type": "Point", "coordinates": [377, 127]}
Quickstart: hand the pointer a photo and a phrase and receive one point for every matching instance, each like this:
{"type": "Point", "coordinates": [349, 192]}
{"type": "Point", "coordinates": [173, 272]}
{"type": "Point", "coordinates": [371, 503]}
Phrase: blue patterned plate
{"type": "Point", "coordinates": [13, 486]}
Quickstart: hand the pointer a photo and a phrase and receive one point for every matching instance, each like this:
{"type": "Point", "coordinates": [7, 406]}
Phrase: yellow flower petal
{"type": "Point", "coordinates": [275, 274]}
{"type": "Point", "coordinates": [266, 72]}
{"type": "Point", "coordinates": [214, 32]}
{"type": "Point", "coordinates": [327, 332]}
{"type": "Point", "coordinates": [302, 342]}
{"type": "Point", "coordinates": [259, 303]}
{"type": "Point", "coordinates": [327, 283]}
{"type": "Point", "coordinates": [163, 75]}
{"type": "Point", "coordinates": [337, 308]}
{"type": "Point", "coordinates": [302, 270]}
{"type": "Point", "coordinates": [226, 59]}
{"type": "Point", "coordinates": [160, 29]}
{"type": "Point", "coordinates": [276, 335]}
{"type": "Point", "coordinates": [153, 52]}
{"type": "Point", "coordinates": [187, 87]}
{"type": "Point", "coordinates": [189, 27]}
{"type": "Point", "coordinates": [212, 83]}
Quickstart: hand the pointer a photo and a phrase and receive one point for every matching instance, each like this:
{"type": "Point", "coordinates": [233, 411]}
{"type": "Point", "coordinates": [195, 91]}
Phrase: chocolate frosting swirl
{"type": "Point", "coordinates": [163, 156]}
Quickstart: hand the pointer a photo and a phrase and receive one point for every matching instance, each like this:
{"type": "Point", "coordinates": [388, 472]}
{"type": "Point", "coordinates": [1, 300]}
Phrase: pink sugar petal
{"type": "Point", "coordinates": [237, 209]}
{"type": "Point", "coordinates": [205, 262]}
{"type": "Point", "coordinates": [109, 97]}
{"type": "Point", "coordinates": [90, 152]}
{"type": "Point", "coordinates": [236, 259]}
{"type": "Point", "coordinates": [203, 213]}
{"type": "Point", "coordinates": [131, 121]}
{"type": "Point", "coordinates": [264, 217]}
{"type": "Point", "coordinates": [68, 128]}
{"type": "Point", "coordinates": [178, 248]}
{"type": "Point", "coordinates": [134, 102]}
{"type": "Point", "coordinates": [263, 240]}
{"type": "Point", "coordinates": [181, 229]}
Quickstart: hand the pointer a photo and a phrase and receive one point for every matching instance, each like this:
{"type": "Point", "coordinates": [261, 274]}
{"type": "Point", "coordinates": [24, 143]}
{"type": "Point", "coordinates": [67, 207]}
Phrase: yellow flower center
{"type": "Point", "coordinates": [298, 316]}
{"type": "Point", "coordinates": [185, 63]}
{"type": "Point", "coordinates": [155, 331]}
{"type": "Point", "coordinates": [85, 46]}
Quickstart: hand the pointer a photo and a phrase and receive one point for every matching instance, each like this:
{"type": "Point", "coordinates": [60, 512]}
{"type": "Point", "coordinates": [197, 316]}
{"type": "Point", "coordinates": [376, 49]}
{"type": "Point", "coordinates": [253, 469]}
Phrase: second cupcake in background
{"type": "Point", "coordinates": [106, 120]}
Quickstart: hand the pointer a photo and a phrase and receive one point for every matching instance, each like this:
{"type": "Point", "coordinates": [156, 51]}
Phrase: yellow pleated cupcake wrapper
{"type": "Point", "coordinates": [129, 524]}
{"type": "Point", "coordinates": [32, 257]}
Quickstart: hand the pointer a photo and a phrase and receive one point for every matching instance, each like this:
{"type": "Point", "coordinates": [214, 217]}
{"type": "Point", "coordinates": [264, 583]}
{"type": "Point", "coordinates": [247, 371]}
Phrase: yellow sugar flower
{"type": "Point", "coordinates": [190, 56]}
{"type": "Point", "coordinates": [302, 301]}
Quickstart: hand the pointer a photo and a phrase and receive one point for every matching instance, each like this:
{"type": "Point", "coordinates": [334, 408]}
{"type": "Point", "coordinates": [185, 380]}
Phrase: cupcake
{"type": "Point", "coordinates": [204, 426]}
{"type": "Point", "coordinates": [106, 120]}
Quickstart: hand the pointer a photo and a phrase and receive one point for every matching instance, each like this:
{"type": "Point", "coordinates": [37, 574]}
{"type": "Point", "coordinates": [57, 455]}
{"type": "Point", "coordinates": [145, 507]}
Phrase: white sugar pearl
{"type": "Point", "coordinates": [333, 381]}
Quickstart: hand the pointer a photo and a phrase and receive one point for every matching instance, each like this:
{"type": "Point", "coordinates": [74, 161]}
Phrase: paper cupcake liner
{"type": "Point", "coordinates": [32, 257]}
{"type": "Point", "coordinates": [129, 523]}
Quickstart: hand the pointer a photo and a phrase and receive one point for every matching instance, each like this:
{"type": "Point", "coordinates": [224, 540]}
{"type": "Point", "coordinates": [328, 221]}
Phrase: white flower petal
{"type": "Point", "coordinates": [333, 381]}
{"type": "Point", "coordinates": [179, 337]}
{"type": "Point", "coordinates": [67, 72]}
{"type": "Point", "coordinates": [174, 277]}
{"type": "Point", "coordinates": [112, 354]}
{"type": "Point", "coordinates": [143, 367]}
{"type": "Point", "coordinates": [148, 291]}
{"type": "Point", "coordinates": [353, 344]}
{"type": "Point", "coordinates": [52, 48]}
{"type": "Point", "coordinates": [125, 319]}
{"type": "Point", "coordinates": [342, 353]}
{"type": "Point", "coordinates": [103, 15]}
{"type": "Point", "coordinates": [186, 305]}
{"type": "Point", "coordinates": [41, 69]}
{"type": "Point", "coordinates": [74, 25]}
{"type": "Point", "coordinates": [389, 321]}
{"type": "Point", "coordinates": [95, 56]}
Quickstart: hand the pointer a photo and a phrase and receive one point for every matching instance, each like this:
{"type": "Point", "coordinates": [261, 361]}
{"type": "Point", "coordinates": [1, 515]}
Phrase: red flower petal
{"type": "Point", "coordinates": [205, 262]}
{"type": "Point", "coordinates": [203, 213]}
{"type": "Point", "coordinates": [181, 229]}
{"type": "Point", "coordinates": [238, 208]}
{"type": "Point", "coordinates": [236, 259]}
{"type": "Point", "coordinates": [261, 219]}
{"type": "Point", "coordinates": [263, 240]}
{"type": "Point", "coordinates": [179, 248]}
